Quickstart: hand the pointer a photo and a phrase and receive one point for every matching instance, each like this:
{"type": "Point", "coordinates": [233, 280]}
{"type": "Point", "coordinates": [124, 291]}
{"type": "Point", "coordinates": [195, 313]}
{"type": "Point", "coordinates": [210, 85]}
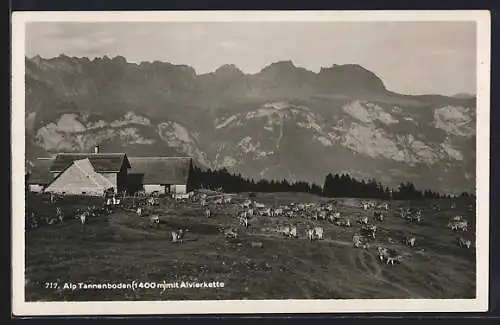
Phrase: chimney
{"type": "Point", "coordinates": [96, 149]}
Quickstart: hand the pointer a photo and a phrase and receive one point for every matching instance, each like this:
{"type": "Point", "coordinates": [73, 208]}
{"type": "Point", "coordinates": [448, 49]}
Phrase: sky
{"type": "Point", "coordinates": [410, 57]}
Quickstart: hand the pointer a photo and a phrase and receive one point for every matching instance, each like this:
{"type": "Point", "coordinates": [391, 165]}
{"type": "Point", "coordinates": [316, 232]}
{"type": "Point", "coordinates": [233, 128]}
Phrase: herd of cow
{"type": "Point", "coordinates": [248, 210]}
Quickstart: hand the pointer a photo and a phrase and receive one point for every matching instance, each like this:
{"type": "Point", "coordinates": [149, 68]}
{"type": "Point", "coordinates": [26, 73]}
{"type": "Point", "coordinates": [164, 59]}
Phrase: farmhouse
{"type": "Point", "coordinates": [166, 175]}
{"type": "Point", "coordinates": [97, 173]}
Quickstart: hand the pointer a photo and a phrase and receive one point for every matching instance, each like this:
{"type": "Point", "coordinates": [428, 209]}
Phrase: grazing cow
{"type": "Point", "coordinates": [259, 205]}
{"type": "Point", "coordinates": [310, 234]}
{"type": "Point", "coordinates": [154, 220]}
{"type": "Point", "coordinates": [60, 214]}
{"type": "Point", "coordinates": [288, 231]}
{"type": "Point", "coordinates": [244, 221]}
{"type": "Point", "coordinates": [230, 234]}
{"type": "Point", "coordinates": [383, 206]}
{"type": "Point", "coordinates": [177, 236]}
{"type": "Point", "coordinates": [277, 212]}
{"type": "Point", "coordinates": [257, 244]}
{"type": "Point", "coordinates": [462, 242]}
{"type": "Point", "coordinates": [208, 213]}
{"type": "Point", "coordinates": [266, 212]}
{"type": "Point", "coordinates": [360, 241]}
{"type": "Point", "coordinates": [334, 217]}
{"type": "Point", "coordinates": [379, 215]}
{"type": "Point", "coordinates": [243, 214]}
{"type": "Point", "coordinates": [383, 253]}
{"type": "Point", "coordinates": [410, 241]}
{"type": "Point", "coordinates": [153, 201]}
{"type": "Point", "coordinates": [392, 259]}
{"type": "Point", "coordinates": [363, 221]}
{"type": "Point", "coordinates": [318, 232]}
{"type": "Point", "coordinates": [50, 220]}
{"type": "Point", "coordinates": [356, 240]}
{"type": "Point", "coordinates": [462, 225]}
{"type": "Point", "coordinates": [247, 204]}
{"type": "Point", "coordinates": [342, 223]}
{"type": "Point", "coordinates": [83, 218]}
{"type": "Point", "coordinates": [369, 230]}
{"type": "Point", "coordinates": [284, 230]}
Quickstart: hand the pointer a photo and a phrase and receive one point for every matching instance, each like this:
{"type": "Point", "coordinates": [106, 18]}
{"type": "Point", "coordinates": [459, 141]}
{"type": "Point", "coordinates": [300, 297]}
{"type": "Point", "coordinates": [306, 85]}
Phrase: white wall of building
{"type": "Point", "coordinates": [112, 178]}
{"type": "Point", "coordinates": [74, 182]}
{"type": "Point", "coordinates": [36, 188]}
{"type": "Point", "coordinates": [150, 188]}
{"type": "Point", "coordinates": [178, 189]}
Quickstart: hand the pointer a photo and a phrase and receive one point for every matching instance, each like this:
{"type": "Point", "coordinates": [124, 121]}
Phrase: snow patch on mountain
{"type": "Point", "coordinates": [228, 162]}
{"type": "Point", "coordinates": [247, 146]}
{"type": "Point", "coordinates": [311, 123]}
{"type": "Point", "coordinates": [226, 122]}
{"type": "Point", "coordinates": [409, 119]}
{"type": "Point", "coordinates": [368, 112]}
{"type": "Point", "coordinates": [69, 133]}
{"type": "Point", "coordinates": [325, 141]}
{"type": "Point", "coordinates": [451, 151]}
{"type": "Point", "coordinates": [178, 136]}
{"type": "Point", "coordinates": [372, 142]}
{"type": "Point", "coordinates": [456, 120]}
{"type": "Point", "coordinates": [68, 123]}
{"type": "Point", "coordinates": [273, 113]}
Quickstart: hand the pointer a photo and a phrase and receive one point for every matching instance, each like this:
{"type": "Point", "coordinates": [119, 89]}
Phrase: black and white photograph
{"type": "Point", "coordinates": [250, 162]}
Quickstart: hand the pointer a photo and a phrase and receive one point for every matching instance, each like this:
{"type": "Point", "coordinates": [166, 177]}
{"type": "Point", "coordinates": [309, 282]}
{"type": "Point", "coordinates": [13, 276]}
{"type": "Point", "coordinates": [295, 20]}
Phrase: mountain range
{"type": "Point", "coordinates": [282, 122]}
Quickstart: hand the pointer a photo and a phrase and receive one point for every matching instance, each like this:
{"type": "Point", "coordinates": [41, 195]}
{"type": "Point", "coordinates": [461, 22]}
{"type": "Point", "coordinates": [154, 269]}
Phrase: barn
{"type": "Point", "coordinates": [81, 178]}
{"type": "Point", "coordinates": [165, 175]}
{"type": "Point", "coordinates": [96, 173]}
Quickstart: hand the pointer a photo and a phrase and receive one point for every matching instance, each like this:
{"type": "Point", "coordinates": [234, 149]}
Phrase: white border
{"type": "Point", "coordinates": [22, 308]}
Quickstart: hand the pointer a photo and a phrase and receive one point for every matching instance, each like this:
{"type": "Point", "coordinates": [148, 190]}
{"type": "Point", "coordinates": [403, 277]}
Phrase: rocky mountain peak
{"type": "Point", "coordinates": [349, 77]}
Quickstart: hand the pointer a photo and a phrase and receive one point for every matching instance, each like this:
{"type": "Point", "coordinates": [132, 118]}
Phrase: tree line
{"type": "Point", "coordinates": [335, 185]}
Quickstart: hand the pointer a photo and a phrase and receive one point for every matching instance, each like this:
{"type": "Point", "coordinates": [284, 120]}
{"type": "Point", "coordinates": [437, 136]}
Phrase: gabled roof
{"type": "Point", "coordinates": [102, 162]}
{"type": "Point", "coordinates": [40, 172]}
{"type": "Point", "coordinates": [86, 167]}
{"type": "Point", "coordinates": [161, 170]}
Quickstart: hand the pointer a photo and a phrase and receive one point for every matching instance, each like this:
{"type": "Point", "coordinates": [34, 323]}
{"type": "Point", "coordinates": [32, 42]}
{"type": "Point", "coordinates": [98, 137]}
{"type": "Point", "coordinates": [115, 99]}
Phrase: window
{"type": "Point", "coordinates": [84, 193]}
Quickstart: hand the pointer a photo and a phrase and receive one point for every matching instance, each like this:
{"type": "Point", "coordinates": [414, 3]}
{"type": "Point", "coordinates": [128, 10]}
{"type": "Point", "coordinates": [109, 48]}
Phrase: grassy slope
{"type": "Point", "coordinates": [120, 247]}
